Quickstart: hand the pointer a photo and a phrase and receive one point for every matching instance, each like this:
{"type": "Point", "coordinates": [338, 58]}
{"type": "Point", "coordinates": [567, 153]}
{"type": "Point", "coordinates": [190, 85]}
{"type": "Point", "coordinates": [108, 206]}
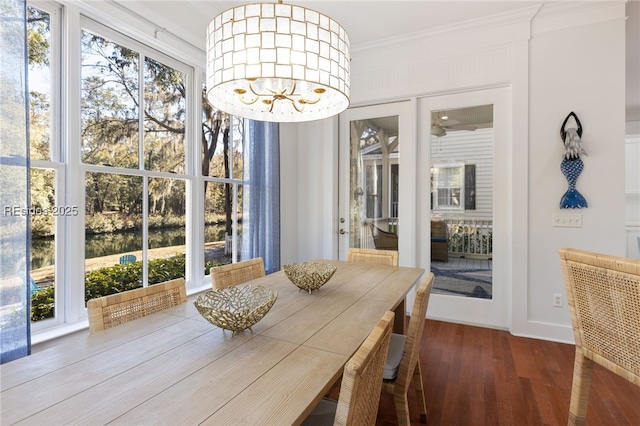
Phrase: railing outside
{"type": "Point", "coordinates": [470, 238]}
{"type": "Point", "coordinates": [467, 237]}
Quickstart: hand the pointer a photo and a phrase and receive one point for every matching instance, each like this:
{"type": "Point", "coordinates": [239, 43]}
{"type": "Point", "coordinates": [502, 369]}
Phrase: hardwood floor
{"type": "Point", "coordinates": [480, 376]}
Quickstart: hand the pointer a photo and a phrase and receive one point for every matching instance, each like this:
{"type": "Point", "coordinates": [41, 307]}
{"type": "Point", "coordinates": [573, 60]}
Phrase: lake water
{"type": "Point", "coordinates": [98, 245]}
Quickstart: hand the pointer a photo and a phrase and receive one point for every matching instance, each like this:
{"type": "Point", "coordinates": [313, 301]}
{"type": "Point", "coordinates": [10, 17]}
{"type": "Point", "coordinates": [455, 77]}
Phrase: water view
{"type": "Point", "coordinates": [98, 245]}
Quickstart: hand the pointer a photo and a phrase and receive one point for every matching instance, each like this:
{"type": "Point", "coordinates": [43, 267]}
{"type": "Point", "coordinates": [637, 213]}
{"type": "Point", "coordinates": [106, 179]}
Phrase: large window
{"type": "Point", "coordinates": [128, 186]}
{"type": "Point", "coordinates": [133, 127]}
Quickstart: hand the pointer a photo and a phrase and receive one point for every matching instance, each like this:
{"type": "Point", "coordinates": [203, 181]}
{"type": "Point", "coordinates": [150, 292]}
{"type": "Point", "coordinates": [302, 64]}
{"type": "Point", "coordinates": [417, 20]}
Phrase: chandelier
{"type": "Point", "coordinates": [277, 62]}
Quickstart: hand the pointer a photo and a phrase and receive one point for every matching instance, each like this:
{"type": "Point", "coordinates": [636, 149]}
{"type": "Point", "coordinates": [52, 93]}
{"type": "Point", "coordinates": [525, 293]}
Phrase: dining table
{"type": "Point", "coordinates": [175, 368]}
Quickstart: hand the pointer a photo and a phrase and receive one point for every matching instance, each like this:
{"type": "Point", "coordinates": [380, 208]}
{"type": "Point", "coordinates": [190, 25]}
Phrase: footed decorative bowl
{"type": "Point", "coordinates": [309, 276]}
{"type": "Point", "coordinates": [236, 308]}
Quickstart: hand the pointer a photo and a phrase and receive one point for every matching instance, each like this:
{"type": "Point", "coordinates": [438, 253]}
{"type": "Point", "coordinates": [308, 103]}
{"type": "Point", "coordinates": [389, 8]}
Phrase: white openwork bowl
{"type": "Point", "coordinates": [309, 276]}
{"type": "Point", "coordinates": [236, 308]}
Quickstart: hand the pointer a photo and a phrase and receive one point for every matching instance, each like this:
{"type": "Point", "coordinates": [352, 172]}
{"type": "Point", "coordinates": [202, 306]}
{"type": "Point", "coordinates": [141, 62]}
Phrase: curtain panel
{"type": "Point", "coordinates": [261, 194]}
{"type": "Point", "coordinates": [15, 294]}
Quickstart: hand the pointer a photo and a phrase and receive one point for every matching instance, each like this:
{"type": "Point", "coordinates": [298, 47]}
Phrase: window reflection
{"type": "Point", "coordinates": [462, 201]}
{"type": "Point", "coordinates": [374, 180]}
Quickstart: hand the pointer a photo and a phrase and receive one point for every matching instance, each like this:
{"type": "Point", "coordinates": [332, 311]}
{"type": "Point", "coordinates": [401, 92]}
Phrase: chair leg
{"type": "Point", "coordinates": [417, 383]}
{"type": "Point", "coordinates": [582, 372]}
{"type": "Point", "coordinates": [402, 408]}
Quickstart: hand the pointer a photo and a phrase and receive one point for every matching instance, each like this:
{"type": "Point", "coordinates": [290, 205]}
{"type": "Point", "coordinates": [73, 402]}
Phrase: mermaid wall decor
{"type": "Point", "coordinates": [571, 164]}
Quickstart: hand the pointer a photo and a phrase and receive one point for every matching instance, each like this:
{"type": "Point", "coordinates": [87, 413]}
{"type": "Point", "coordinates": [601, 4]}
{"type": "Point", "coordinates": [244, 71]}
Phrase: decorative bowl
{"type": "Point", "coordinates": [236, 308]}
{"type": "Point", "coordinates": [309, 276]}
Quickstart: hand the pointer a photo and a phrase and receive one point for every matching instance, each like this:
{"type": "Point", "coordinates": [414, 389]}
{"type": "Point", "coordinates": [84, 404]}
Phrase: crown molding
{"type": "Point", "coordinates": [524, 14]}
{"type": "Point", "coordinates": [553, 15]}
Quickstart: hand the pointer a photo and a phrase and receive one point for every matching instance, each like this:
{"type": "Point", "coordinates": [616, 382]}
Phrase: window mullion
{"type": "Point", "coordinates": [145, 179]}
{"type": "Point", "coordinates": [72, 275]}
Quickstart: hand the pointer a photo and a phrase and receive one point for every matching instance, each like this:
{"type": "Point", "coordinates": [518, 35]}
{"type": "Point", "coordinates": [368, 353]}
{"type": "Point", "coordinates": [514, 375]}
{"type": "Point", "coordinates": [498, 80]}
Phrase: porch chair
{"type": "Point", "coordinates": [115, 309]}
{"type": "Point", "coordinates": [383, 240]}
{"type": "Point", "coordinates": [403, 361]}
{"type": "Point", "coordinates": [439, 240]}
{"type": "Point", "coordinates": [381, 257]}
{"type": "Point", "coordinates": [237, 273]}
{"type": "Point", "coordinates": [603, 295]}
{"type": "Point", "coordinates": [361, 383]}
{"type": "Point", "coordinates": [127, 258]}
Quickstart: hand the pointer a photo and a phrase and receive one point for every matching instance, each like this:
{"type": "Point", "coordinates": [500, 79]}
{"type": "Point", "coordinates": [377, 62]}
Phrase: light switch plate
{"type": "Point", "coordinates": [567, 220]}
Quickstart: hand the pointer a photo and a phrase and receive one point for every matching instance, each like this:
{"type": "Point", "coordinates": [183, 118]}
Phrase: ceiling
{"type": "Point", "coordinates": [367, 21]}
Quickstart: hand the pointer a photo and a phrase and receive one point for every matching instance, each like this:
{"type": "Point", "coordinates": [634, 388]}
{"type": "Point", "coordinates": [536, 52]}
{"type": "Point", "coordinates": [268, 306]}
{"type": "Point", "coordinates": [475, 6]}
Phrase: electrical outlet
{"type": "Point", "coordinates": [557, 300]}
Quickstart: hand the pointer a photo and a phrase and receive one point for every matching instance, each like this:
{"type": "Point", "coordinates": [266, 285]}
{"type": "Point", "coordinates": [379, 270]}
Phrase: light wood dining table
{"type": "Point", "coordinates": [175, 368]}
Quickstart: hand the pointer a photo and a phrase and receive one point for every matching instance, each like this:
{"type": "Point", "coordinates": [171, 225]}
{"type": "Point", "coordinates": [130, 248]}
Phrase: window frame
{"type": "Point", "coordinates": [66, 78]}
{"type": "Point", "coordinates": [56, 161]}
{"type": "Point", "coordinates": [235, 186]}
{"type": "Point", "coordinates": [144, 51]}
{"type": "Point", "coordinates": [435, 187]}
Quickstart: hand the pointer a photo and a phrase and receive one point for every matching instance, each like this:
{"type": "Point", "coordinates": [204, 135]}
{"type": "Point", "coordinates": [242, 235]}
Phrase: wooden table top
{"type": "Point", "coordinates": [174, 367]}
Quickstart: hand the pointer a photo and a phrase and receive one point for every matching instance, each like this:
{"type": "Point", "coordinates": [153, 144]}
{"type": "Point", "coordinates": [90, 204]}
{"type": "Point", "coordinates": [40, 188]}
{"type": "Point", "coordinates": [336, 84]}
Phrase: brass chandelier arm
{"type": "Point", "coordinates": [297, 100]}
{"type": "Point", "coordinates": [241, 92]}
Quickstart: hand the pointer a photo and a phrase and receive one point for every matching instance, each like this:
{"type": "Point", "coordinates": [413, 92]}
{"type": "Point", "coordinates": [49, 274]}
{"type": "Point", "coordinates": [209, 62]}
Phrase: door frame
{"type": "Point", "coordinates": [405, 110]}
{"type": "Point", "coordinates": [485, 312]}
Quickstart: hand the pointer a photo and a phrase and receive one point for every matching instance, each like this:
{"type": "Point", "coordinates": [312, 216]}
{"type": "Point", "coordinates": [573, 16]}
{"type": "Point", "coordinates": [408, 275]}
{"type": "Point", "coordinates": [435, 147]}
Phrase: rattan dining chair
{"type": "Point", "coordinates": [380, 257]}
{"type": "Point", "coordinates": [237, 273]}
{"type": "Point", "coordinates": [403, 363]}
{"type": "Point", "coordinates": [603, 295]}
{"type": "Point", "coordinates": [115, 309]}
{"type": "Point", "coordinates": [361, 383]}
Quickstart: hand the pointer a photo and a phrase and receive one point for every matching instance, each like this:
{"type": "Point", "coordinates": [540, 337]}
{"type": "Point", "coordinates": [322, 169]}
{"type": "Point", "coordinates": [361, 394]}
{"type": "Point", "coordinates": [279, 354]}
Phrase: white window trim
{"type": "Point", "coordinates": [436, 206]}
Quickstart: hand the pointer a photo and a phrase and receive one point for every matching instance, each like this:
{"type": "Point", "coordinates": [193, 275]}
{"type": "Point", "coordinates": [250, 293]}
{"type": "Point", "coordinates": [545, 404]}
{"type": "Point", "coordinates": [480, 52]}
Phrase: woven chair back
{"type": "Point", "coordinates": [603, 295]}
{"type": "Point", "coordinates": [237, 273]}
{"type": "Point", "coordinates": [115, 309]}
{"type": "Point", "coordinates": [362, 378]}
{"type": "Point", "coordinates": [380, 257]}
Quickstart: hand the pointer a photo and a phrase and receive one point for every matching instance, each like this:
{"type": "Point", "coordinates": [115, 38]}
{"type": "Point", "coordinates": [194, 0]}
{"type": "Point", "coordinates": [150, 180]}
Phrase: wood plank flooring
{"type": "Point", "coordinates": [481, 376]}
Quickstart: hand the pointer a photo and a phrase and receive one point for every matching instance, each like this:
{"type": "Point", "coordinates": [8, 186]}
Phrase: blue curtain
{"type": "Point", "coordinates": [261, 196]}
{"type": "Point", "coordinates": [15, 340]}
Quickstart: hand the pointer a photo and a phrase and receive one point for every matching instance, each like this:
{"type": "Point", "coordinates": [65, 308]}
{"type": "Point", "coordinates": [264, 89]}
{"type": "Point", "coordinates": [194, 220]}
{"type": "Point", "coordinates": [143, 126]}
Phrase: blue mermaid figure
{"type": "Point", "coordinates": [572, 165]}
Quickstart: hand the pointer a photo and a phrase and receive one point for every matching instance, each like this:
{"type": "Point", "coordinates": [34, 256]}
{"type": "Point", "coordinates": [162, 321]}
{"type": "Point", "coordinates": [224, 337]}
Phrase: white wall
{"type": "Point", "coordinates": [289, 191]}
{"type": "Point", "coordinates": [569, 58]}
{"type": "Point", "coordinates": [578, 69]}
{"type": "Point", "coordinates": [309, 195]}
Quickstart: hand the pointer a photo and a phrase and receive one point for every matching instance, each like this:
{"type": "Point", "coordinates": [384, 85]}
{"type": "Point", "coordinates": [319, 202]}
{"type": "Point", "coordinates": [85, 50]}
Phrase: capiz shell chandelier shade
{"type": "Point", "coordinates": [277, 62]}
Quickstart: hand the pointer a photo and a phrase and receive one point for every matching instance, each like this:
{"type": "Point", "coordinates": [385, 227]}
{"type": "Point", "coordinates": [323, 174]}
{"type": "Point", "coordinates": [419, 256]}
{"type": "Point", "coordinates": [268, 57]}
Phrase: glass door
{"type": "Point", "coordinates": [370, 176]}
{"type": "Point", "coordinates": [463, 161]}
